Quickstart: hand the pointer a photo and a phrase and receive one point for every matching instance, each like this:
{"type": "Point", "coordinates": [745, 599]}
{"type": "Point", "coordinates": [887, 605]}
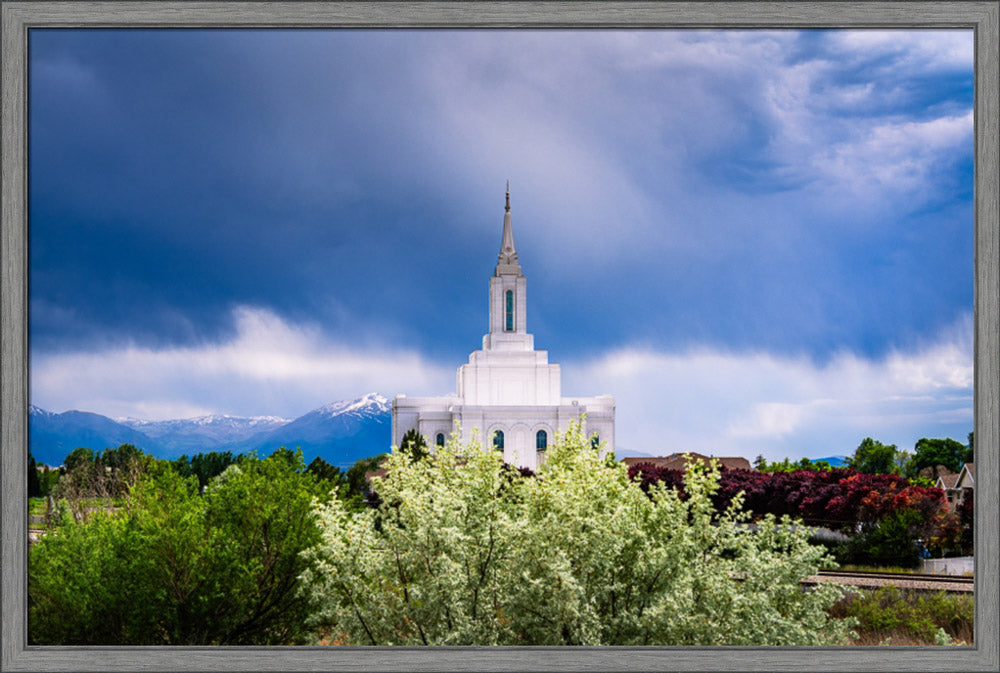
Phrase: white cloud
{"type": "Point", "coordinates": [749, 404]}
{"type": "Point", "coordinates": [269, 367]}
{"type": "Point", "coordinates": [702, 400]}
{"type": "Point", "coordinates": [895, 156]}
{"type": "Point", "coordinates": [925, 49]}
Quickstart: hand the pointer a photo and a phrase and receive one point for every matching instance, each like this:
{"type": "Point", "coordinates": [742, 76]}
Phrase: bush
{"type": "Point", "coordinates": [460, 551]}
{"type": "Point", "coordinates": [890, 615]}
{"type": "Point", "coordinates": [891, 542]}
{"type": "Point", "coordinates": [179, 568]}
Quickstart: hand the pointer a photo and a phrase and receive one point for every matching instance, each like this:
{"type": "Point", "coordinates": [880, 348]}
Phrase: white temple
{"type": "Point", "coordinates": [509, 396]}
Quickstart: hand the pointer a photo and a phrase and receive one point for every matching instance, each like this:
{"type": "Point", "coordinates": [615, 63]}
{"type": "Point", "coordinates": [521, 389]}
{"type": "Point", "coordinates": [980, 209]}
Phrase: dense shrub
{"type": "Point", "coordinates": [177, 567]}
{"type": "Point", "coordinates": [460, 550]}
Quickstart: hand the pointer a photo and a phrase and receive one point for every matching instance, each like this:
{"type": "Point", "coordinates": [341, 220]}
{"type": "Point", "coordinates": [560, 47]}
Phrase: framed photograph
{"type": "Point", "coordinates": [761, 229]}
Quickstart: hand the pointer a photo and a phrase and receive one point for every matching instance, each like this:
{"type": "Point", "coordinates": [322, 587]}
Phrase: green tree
{"type": "Point", "coordinates": [933, 452]}
{"type": "Point", "coordinates": [205, 466]}
{"type": "Point", "coordinates": [970, 454]}
{"type": "Point", "coordinates": [414, 443]}
{"type": "Point", "coordinates": [355, 487]}
{"type": "Point", "coordinates": [890, 542]}
{"type": "Point", "coordinates": [462, 551]}
{"type": "Point", "coordinates": [324, 470]}
{"type": "Point", "coordinates": [81, 457]}
{"type": "Point", "coordinates": [874, 457]}
{"type": "Point", "coordinates": [183, 568]}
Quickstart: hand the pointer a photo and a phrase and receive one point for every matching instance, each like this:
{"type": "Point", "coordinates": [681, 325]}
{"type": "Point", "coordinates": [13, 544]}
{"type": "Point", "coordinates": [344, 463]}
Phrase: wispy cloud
{"type": "Point", "coordinates": [745, 404]}
{"type": "Point", "coordinates": [268, 367]}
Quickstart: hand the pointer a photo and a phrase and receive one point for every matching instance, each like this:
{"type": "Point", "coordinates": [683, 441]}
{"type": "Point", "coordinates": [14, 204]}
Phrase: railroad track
{"type": "Point", "coordinates": [915, 581]}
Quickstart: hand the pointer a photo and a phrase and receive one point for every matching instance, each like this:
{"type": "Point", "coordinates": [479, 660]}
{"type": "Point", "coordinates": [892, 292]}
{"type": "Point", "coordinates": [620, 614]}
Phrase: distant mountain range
{"type": "Point", "coordinates": [340, 433]}
{"type": "Point", "coordinates": [834, 461]}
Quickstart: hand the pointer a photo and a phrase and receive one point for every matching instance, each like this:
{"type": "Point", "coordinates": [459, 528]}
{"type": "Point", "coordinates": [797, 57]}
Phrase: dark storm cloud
{"type": "Point", "coordinates": [776, 190]}
{"type": "Point", "coordinates": [184, 173]}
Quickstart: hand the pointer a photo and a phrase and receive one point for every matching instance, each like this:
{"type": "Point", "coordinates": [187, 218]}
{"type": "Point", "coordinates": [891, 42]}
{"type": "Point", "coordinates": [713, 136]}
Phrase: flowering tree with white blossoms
{"type": "Point", "coordinates": [464, 551]}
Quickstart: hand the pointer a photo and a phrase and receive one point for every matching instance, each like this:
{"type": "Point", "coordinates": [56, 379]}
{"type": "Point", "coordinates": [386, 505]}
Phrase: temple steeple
{"type": "Point", "coordinates": [507, 259]}
{"type": "Point", "coordinates": [508, 291]}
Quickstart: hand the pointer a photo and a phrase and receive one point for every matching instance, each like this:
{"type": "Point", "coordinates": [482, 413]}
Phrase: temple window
{"type": "Point", "coordinates": [541, 440]}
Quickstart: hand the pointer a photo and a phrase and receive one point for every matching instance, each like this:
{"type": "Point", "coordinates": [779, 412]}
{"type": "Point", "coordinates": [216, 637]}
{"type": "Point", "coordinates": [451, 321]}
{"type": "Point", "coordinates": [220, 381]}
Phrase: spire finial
{"type": "Point", "coordinates": [507, 208]}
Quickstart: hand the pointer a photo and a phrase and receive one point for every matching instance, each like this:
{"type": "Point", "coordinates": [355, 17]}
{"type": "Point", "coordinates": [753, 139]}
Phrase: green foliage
{"type": "Point", "coordinates": [321, 469]}
{"type": "Point", "coordinates": [874, 457]}
{"type": "Point", "coordinates": [90, 482]}
{"type": "Point", "coordinates": [175, 567]}
{"type": "Point", "coordinates": [934, 452]}
{"type": "Point", "coordinates": [414, 443]}
{"type": "Point", "coordinates": [890, 542]}
{"type": "Point", "coordinates": [205, 466]}
{"type": "Point", "coordinates": [785, 465]}
{"type": "Point", "coordinates": [464, 551]}
{"type": "Point", "coordinates": [355, 488]}
{"type": "Point", "coordinates": [891, 613]}
{"type": "Point", "coordinates": [81, 457]}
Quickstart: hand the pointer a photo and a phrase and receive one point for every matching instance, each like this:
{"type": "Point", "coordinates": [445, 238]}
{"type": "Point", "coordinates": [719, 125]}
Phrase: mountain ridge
{"type": "Point", "coordinates": [341, 432]}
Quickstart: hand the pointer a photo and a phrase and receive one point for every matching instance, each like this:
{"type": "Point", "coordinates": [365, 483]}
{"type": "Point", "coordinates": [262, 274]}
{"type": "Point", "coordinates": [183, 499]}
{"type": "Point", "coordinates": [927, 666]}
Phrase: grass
{"type": "Point", "coordinates": [850, 567]}
{"type": "Point", "coordinates": [39, 506]}
{"type": "Point", "coordinates": [36, 506]}
{"type": "Point", "coordinates": [893, 616]}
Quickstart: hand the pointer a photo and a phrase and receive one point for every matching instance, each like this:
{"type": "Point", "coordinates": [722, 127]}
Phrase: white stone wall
{"type": "Point", "coordinates": [519, 423]}
{"type": "Point", "coordinates": [506, 386]}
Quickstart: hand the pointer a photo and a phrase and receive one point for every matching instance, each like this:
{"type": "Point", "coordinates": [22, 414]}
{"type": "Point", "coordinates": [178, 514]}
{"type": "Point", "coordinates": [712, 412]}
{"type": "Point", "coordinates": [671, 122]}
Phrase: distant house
{"type": "Point", "coordinates": [957, 485]}
{"type": "Point", "coordinates": [946, 482]}
{"type": "Point", "coordinates": [678, 461]}
{"type": "Point", "coordinates": [966, 481]}
{"type": "Point", "coordinates": [377, 473]}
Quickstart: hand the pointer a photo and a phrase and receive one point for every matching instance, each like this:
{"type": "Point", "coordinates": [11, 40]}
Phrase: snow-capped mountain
{"type": "Point", "coordinates": [368, 406]}
{"type": "Point", "coordinates": [52, 436]}
{"type": "Point", "coordinates": [208, 432]}
{"type": "Point", "coordinates": [341, 433]}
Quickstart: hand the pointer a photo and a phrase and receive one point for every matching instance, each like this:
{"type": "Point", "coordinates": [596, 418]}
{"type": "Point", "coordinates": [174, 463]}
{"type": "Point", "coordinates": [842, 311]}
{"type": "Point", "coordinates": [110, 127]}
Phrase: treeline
{"type": "Point", "coordinates": [928, 458]}
{"type": "Point", "coordinates": [86, 474]}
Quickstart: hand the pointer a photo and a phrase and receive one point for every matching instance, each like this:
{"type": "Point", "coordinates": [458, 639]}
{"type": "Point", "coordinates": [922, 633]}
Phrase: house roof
{"type": "Point", "coordinates": [678, 461]}
{"type": "Point", "coordinates": [967, 477]}
{"type": "Point", "coordinates": [947, 481]}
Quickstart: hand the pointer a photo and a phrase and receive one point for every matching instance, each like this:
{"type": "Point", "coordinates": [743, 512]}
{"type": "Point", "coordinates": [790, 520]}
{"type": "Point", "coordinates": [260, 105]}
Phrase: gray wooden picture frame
{"type": "Point", "coordinates": [19, 17]}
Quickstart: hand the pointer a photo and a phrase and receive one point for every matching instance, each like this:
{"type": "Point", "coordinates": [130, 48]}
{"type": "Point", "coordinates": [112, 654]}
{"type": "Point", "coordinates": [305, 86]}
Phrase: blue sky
{"type": "Point", "coordinates": [759, 242]}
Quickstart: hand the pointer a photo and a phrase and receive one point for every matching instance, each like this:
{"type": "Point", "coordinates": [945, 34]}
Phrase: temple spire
{"type": "Point", "coordinates": [507, 260]}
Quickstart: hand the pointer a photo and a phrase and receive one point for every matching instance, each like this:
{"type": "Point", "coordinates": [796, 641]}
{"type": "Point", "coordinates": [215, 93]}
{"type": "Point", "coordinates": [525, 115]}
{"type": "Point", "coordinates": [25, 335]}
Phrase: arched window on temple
{"type": "Point", "coordinates": [541, 440]}
{"type": "Point", "coordinates": [440, 439]}
{"type": "Point", "coordinates": [498, 440]}
{"type": "Point", "coordinates": [509, 312]}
